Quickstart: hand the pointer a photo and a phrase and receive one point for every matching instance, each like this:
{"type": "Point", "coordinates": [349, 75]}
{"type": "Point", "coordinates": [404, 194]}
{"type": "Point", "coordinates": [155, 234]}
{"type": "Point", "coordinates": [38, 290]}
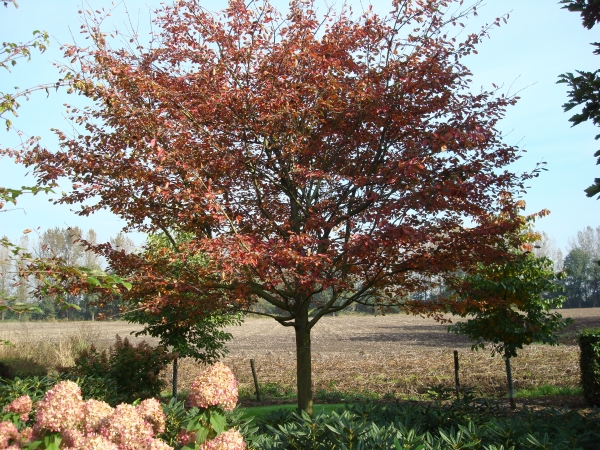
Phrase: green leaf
{"type": "Point", "coordinates": [93, 281]}
{"type": "Point", "coordinates": [201, 435]}
{"type": "Point", "coordinates": [218, 422]}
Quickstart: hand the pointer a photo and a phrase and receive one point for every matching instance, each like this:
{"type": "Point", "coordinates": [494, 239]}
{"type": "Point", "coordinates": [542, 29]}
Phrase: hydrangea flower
{"type": "Point", "coordinates": [27, 435]}
{"type": "Point", "coordinates": [72, 438]}
{"type": "Point", "coordinates": [21, 406]}
{"type": "Point", "coordinates": [216, 386]}
{"type": "Point", "coordinates": [157, 444]}
{"type": "Point", "coordinates": [185, 437]}
{"type": "Point", "coordinates": [61, 408]}
{"type": "Point", "coordinates": [126, 428]}
{"type": "Point", "coordinates": [91, 441]}
{"type": "Point", "coordinates": [229, 440]}
{"type": "Point", "coordinates": [8, 433]}
{"type": "Point", "coordinates": [151, 411]}
{"type": "Point", "coordinates": [95, 412]}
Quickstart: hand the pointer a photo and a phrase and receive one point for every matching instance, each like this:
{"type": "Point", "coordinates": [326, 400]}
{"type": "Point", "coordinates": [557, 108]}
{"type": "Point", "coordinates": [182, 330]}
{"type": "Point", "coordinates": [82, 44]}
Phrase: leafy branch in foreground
{"type": "Point", "coordinates": [57, 279]}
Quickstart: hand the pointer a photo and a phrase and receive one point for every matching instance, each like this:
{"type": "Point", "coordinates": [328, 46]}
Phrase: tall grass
{"type": "Point", "coordinates": [27, 354]}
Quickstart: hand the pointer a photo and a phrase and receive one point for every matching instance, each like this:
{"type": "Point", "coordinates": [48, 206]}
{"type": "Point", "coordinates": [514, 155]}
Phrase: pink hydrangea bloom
{"type": "Point", "coordinates": [8, 433]}
{"type": "Point", "coordinates": [72, 438]}
{"type": "Point", "coordinates": [95, 412]}
{"type": "Point", "coordinates": [229, 440]}
{"type": "Point", "coordinates": [21, 406]}
{"type": "Point", "coordinates": [61, 408]}
{"type": "Point", "coordinates": [93, 441]}
{"type": "Point", "coordinates": [126, 428]}
{"type": "Point", "coordinates": [27, 435]}
{"type": "Point", "coordinates": [185, 437]}
{"type": "Point", "coordinates": [157, 444]}
{"type": "Point", "coordinates": [151, 411]}
{"type": "Point", "coordinates": [215, 386]}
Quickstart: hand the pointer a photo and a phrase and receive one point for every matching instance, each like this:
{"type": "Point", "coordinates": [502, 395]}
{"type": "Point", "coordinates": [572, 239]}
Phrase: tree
{"type": "Point", "coordinates": [317, 161]}
{"type": "Point", "coordinates": [203, 338]}
{"type": "Point", "coordinates": [585, 87]}
{"type": "Point", "coordinates": [509, 304]}
{"type": "Point", "coordinates": [582, 267]}
{"type": "Point", "coordinates": [546, 247]}
{"type": "Point", "coordinates": [577, 266]}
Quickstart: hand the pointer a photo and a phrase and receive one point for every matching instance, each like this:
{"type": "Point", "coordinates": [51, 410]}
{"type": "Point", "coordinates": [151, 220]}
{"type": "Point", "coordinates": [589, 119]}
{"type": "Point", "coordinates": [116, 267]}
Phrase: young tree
{"type": "Point", "coordinates": [317, 161]}
{"type": "Point", "coordinates": [180, 319]}
{"type": "Point", "coordinates": [508, 304]}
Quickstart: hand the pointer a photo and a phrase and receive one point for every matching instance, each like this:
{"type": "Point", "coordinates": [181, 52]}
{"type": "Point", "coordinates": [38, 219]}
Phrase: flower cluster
{"type": "Point", "coordinates": [89, 425]}
{"type": "Point", "coordinates": [151, 411]}
{"type": "Point", "coordinates": [95, 425]}
{"type": "Point", "coordinates": [229, 440]}
{"type": "Point", "coordinates": [95, 413]}
{"type": "Point", "coordinates": [8, 434]}
{"type": "Point", "coordinates": [216, 386]}
{"type": "Point", "coordinates": [126, 428]}
{"type": "Point", "coordinates": [61, 408]}
{"type": "Point", "coordinates": [21, 406]}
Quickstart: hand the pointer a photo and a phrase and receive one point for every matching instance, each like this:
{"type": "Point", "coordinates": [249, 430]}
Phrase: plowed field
{"type": "Point", "coordinates": [393, 355]}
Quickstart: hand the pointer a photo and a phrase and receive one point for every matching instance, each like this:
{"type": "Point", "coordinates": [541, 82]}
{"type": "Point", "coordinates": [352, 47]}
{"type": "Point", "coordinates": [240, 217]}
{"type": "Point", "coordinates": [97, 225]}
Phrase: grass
{"type": "Point", "coordinates": [547, 390]}
{"type": "Point", "coordinates": [28, 355]}
{"type": "Point", "coordinates": [262, 411]}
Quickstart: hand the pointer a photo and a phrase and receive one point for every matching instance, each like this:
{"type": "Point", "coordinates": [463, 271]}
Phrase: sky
{"type": "Point", "coordinates": [539, 41]}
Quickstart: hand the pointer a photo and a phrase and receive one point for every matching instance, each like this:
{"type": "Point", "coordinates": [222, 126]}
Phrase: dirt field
{"type": "Point", "coordinates": [393, 355]}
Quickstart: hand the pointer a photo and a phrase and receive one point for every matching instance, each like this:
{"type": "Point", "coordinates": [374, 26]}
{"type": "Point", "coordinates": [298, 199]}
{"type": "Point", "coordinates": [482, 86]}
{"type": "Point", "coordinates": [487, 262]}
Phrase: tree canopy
{"type": "Point", "coordinates": [315, 159]}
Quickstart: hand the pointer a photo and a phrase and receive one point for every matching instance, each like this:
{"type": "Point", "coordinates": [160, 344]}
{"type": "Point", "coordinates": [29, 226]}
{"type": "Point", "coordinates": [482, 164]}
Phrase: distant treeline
{"type": "Point", "coordinates": [581, 267]}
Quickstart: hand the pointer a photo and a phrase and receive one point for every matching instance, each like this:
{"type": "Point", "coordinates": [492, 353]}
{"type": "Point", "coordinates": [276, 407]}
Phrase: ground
{"type": "Point", "coordinates": [392, 356]}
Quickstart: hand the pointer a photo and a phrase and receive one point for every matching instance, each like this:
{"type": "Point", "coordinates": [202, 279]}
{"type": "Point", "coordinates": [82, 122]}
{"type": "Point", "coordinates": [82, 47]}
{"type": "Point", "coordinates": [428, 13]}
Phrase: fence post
{"type": "Point", "coordinates": [255, 380]}
{"type": "Point", "coordinates": [456, 379]}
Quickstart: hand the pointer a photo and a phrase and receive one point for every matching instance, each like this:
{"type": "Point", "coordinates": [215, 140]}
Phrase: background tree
{"type": "Point", "coordinates": [582, 281]}
{"type": "Point", "coordinates": [508, 303]}
{"type": "Point", "coordinates": [585, 86]}
{"type": "Point", "coordinates": [317, 161]}
{"type": "Point", "coordinates": [546, 247]}
{"type": "Point", "coordinates": [203, 338]}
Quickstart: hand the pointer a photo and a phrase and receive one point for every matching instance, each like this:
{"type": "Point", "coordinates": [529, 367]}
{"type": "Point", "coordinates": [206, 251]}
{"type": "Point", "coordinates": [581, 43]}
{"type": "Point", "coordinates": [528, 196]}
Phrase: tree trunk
{"type": "Point", "coordinates": [303, 362]}
{"type": "Point", "coordinates": [175, 378]}
{"type": "Point", "coordinates": [509, 380]}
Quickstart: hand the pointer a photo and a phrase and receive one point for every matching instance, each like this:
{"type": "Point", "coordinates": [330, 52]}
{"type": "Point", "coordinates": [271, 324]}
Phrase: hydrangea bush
{"type": "Point", "coordinates": [63, 420]}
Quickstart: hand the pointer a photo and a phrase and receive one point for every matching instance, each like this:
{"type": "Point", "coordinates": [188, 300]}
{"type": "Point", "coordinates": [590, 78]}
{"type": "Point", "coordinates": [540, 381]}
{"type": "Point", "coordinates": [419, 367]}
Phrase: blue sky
{"type": "Point", "coordinates": [539, 42]}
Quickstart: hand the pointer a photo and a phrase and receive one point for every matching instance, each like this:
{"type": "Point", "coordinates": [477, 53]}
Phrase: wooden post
{"type": "Point", "coordinates": [456, 379]}
{"type": "Point", "coordinates": [255, 380]}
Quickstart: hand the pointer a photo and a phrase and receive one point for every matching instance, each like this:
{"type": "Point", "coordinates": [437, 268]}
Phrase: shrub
{"type": "Point", "coordinates": [34, 387]}
{"type": "Point", "coordinates": [136, 369]}
{"type": "Point", "coordinates": [64, 419]}
{"type": "Point", "coordinates": [125, 372]}
{"type": "Point", "coordinates": [589, 363]}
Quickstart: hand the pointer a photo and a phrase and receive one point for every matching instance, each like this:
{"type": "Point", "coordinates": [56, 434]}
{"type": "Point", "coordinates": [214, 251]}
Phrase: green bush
{"type": "Point", "coordinates": [128, 372]}
{"type": "Point", "coordinates": [136, 369]}
{"type": "Point", "coordinates": [589, 363]}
